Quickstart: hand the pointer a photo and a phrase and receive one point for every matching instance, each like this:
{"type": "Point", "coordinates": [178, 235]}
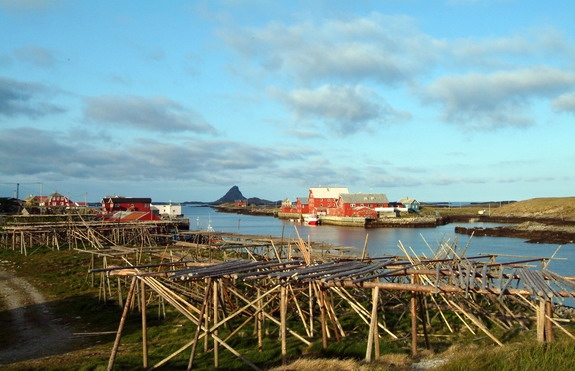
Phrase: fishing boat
{"type": "Point", "coordinates": [311, 220]}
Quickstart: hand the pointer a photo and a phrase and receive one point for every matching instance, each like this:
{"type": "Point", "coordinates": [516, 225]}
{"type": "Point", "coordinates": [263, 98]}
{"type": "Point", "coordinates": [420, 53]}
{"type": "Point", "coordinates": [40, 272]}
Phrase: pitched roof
{"type": "Point", "coordinates": [357, 198]}
{"type": "Point", "coordinates": [131, 200]}
{"type": "Point", "coordinates": [328, 192]}
{"type": "Point", "coordinates": [302, 200]}
{"type": "Point", "coordinates": [407, 200]}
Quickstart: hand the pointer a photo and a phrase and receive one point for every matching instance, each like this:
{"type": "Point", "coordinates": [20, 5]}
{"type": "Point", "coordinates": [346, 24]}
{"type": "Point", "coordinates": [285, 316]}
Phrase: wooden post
{"type": "Point", "coordinates": [548, 324]}
{"type": "Point", "coordinates": [544, 323]}
{"type": "Point", "coordinates": [215, 319]}
{"type": "Point", "coordinates": [373, 337]}
{"type": "Point", "coordinates": [144, 325]}
{"type": "Point", "coordinates": [541, 321]}
{"type": "Point", "coordinates": [323, 319]}
{"type": "Point", "coordinates": [200, 319]}
{"type": "Point", "coordinates": [413, 319]}
{"type": "Point", "coordinates": [283, 317]}
{"type": "Point", "coordinates": [260, 320]}
{"type": "Point", "coordinates": [422, 313]}
{"type": "Point", "coordinates": [121, 326]}
{"type": "Point", "coordinates": [363, 254]}
{"type": "Point", "coordinates": [311, 300]}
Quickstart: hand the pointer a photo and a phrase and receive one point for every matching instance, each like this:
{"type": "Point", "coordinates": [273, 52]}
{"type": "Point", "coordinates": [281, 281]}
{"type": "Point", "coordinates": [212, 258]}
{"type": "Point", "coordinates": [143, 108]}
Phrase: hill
{"type": "Point", "coordinates": [550, 207]}
{"type": "Point", "coordinates": [234, 194]}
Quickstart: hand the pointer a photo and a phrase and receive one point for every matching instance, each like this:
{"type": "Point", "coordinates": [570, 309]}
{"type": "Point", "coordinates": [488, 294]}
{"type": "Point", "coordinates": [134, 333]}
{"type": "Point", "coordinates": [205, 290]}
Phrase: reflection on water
{"type": "Point", "coordinates": [383, 241]}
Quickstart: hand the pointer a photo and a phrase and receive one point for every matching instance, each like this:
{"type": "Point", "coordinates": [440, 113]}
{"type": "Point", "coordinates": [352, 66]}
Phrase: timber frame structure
{"type": "Point", "coordinates": [292, 285]}
{"type": "Point", "coordinates": [223, 283]}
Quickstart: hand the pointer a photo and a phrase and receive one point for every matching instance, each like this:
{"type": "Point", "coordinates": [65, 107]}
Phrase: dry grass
{"type": "Point", "coordinates": [396, 362]}
{"type": "Point", "coordinates": [551, 207]}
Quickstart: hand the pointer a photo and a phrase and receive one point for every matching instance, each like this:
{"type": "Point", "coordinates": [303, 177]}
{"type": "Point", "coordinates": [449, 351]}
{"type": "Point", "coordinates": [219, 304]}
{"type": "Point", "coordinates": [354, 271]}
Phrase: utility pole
{"type": "Point", "coordinates": [18, 188]}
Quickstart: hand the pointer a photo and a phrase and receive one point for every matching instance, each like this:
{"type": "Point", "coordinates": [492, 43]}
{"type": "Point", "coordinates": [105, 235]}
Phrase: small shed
{"type": "Point", "coordinates": [411, 204]}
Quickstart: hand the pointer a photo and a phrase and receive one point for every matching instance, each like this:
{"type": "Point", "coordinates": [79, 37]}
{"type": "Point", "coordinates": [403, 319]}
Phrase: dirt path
{"type": "Point", "coordinates": [34, 330]}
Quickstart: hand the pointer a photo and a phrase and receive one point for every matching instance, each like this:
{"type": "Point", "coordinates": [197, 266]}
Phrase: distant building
{"type": "Point", "coordinates": [288, 206]}
{"type": "Point", "coordinates": [241, 203]}
{"type": "Point", "coordinates": [167, 210]}
{"type": "Point", "coordinates": [321, 199]}
{"type": "Point", "coordinates": [57, 200]}
{"type": "Point", "coordinates": [35, 201]}
{"type": "Point", "coordinates": [410, 204]}
{"type": "Point", "coordinates": [360, 204]}
{"type": "Point", "coordinates": [111, 204]}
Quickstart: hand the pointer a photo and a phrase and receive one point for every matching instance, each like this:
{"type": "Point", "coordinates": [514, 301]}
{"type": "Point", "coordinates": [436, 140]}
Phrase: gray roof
{"type": "Point", "coordinates": [358, 198]}
{"type": "Point", "coordinates": [407, 200]}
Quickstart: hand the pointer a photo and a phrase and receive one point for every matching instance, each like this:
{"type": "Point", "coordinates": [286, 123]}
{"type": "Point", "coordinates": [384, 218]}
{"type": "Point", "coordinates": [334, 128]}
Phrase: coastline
{"type": "Point", "coordinates": [533, 229]}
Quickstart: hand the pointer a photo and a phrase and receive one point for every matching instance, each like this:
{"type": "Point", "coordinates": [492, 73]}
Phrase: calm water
{"type": "Point", "coordinates": [383, 241]}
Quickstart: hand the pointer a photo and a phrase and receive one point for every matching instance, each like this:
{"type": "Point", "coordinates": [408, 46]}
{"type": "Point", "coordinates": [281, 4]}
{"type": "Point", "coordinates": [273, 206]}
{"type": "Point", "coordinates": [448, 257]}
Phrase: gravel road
{"type": "Point", "coordinates": [34, 330]}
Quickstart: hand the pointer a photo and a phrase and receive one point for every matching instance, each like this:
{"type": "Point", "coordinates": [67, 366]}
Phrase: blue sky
{"type": "Point", "coordinates": [180, 100]}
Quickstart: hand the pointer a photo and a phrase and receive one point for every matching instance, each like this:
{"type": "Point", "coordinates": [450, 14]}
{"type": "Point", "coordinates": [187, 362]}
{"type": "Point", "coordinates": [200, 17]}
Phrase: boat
{"type": "Point", "coordinates": [311, 220]}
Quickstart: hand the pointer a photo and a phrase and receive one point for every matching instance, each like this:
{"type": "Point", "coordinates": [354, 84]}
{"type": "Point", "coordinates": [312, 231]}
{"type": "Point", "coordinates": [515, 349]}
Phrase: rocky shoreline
{"type": "Point", "coordinates": [532, 232]}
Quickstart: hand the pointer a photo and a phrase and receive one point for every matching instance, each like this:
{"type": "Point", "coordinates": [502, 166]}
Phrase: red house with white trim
{"type": "Point", "coordinates": [322, 200]}
{"type": "Point", "coordinates": [57, 200]}
{"type": "Point", "coordinates": [112, 204]}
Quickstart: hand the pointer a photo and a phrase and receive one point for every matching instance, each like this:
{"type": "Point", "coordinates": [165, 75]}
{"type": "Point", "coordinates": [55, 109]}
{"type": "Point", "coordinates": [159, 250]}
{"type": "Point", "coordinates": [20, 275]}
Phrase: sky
{"type": "Point", "coordinates": [454, 100]}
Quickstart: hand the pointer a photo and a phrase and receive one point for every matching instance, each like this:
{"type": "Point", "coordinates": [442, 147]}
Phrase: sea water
{"type": "Point", "coordinates": [384, 241]}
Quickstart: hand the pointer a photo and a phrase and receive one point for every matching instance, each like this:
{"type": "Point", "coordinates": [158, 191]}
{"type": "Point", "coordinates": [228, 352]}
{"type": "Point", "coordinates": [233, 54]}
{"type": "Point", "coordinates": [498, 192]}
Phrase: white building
{"type": "Point", "coordinates": [167, 210]}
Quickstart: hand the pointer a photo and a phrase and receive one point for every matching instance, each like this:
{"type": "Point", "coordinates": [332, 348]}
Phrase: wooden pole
{"type": "Point", "coordinates": [541, 321]}
{"type": "Point", "coordinates": [364, 247]}
{"type": "Point", "coordinates": [311, 300]}
{"type": "Point", "coordinates": [544, 324]}
{"type": "Point", "coordinates": [283, 317]}
{"type": "Point", "coordinates": [413, 308]}
{"type": "Point", "coordinates": [422, 313]}
{"type": "Point", "coordinates": [321, 298]}
{"type": "Point", "coordinates": [144, 325]}
{"type": "Point", "coordinates": [260, 320]}
{"type": "Point", "coordinates": [373, 337]}
{"type": "Point", "coordinates": [200, 319]}
{"type": "Point", "coordinates": [548, 324]}
{"type": "Point", "coordinates": [215, 318]}
{"type": "Point", "coordinates": [121, 326]}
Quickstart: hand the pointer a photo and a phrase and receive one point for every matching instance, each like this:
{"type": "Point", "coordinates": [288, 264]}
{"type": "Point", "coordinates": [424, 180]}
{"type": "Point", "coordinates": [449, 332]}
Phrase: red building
{"type": "Point", "coordinates": [241, 203]}
{"type": "Point", "coordinates": [300, 206]}
{"type": "Point", "coordinates": [113, 204]}
{"type": "Point", "coordinates": [360, 204]}
{"type": "Point", "coordinates": [322, 200]}
{"type": "Point", "coordinates": [57, 200]}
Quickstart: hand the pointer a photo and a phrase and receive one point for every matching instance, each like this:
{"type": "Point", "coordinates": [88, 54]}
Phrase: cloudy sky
{"type": "Point", "coordinates": [454, 100]}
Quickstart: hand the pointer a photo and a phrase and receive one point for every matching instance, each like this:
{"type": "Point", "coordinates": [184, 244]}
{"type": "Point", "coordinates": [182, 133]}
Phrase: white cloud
{"type": "Point", "coordinates": [150, 113]}
{"type": "Point", "coordinates": [496, 99]}
{"type": "Point", "coordinates": [389, 49]}
{"type": "Point", "coordinates": [520, 49]}
{"type": "Point", "coordinates": [564, 103]}
{"type": "Point", "coordinates": [345, 109]}
{"type": "Point", "coordinates": [18, 98]}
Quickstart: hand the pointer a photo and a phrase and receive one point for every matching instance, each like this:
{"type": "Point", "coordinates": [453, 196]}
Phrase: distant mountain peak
{"type": "Point", "coordinates": [232, 195]}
